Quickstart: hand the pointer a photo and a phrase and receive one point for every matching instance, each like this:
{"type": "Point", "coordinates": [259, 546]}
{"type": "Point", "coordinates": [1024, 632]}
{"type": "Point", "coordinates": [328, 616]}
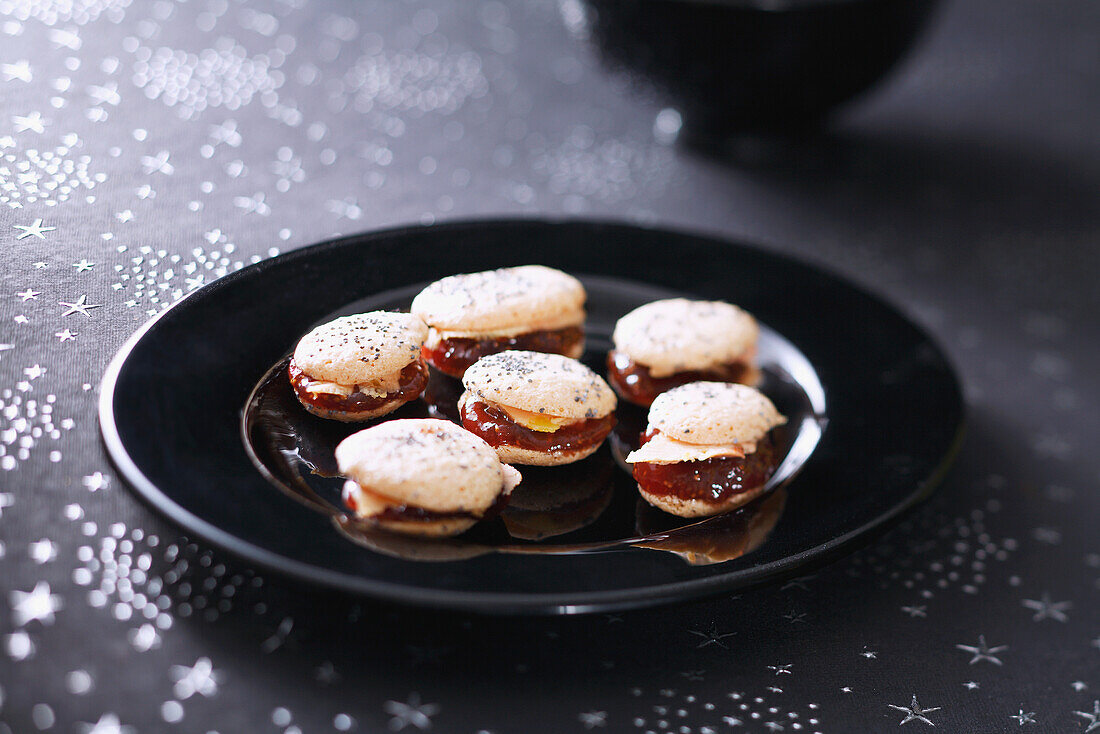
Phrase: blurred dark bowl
{"type": "Point", "coordinates": [731, 65]}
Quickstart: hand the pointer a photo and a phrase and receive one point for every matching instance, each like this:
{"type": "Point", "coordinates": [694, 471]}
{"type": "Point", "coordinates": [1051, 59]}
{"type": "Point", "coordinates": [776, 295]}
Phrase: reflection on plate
{"type": "Point", "coordinates": [171, 400]}
{"type": "Point", "coordinates": [587, 506]}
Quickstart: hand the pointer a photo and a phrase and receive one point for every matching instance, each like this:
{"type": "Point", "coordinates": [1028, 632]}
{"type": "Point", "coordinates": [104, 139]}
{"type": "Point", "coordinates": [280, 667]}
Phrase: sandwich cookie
{"type": "Point", "coordinates": [664, 344]}
{"type": "Point", "coordinates": [423, 477]}
{"type": "Point", "coordinates": [360, 367]}
{"type": "Point", "coordinates": [707, 449]}
{"type": "Point", "coordinates": [534, 408]}
{"type": "Point", "coordinates": [531, 307]}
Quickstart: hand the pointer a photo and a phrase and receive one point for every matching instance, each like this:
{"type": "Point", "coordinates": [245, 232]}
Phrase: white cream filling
{"type": "Point", "coordinates": [564, 321]}
{"type": "Point", "coordinates": [661, 449]}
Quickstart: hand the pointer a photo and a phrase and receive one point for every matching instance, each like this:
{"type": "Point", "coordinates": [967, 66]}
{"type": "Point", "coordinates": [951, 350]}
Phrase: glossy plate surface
{"type": "Point", "coordinates": [171, 414]}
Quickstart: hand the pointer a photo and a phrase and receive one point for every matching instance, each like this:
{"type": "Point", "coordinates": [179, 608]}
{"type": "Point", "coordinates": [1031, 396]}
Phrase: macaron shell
{"type": "Point", "coordinates": [698, 508]}
{"type": "Point", "coordinates": [428, 463]}
{"type": "Point", "coordinates": [530, 457]}
{"type": "Point", "coordinates": [529, 297]}
{"type": "Point", "coordinates": [714, 413]}
{"type": "Point", "coordinates": [359, 416]}
{"type": "Point", "coordinates": [362, 349]}
{"type": "Point", "coordinates": [540, 383]}
{"type": "Point", "coordinates": [677, 335]}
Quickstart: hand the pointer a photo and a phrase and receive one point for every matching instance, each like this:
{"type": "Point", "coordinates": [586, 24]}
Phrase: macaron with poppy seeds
{"type": "Point", "coordinates": [672, 342]}
{"type": "Point", "coordinates": [423, 476]}
{"type": "Point", "coordinates": [360, 367]}
{"type": "Point", "coordinates": [538, 409]}
{"type": "Point", "coordinates": [707, 449]}
{"type": "Point", "coordinates": [530, 307]}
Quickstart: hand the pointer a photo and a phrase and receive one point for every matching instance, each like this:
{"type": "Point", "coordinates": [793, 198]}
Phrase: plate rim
{"type": "Point", "coordinates": [501, 602]}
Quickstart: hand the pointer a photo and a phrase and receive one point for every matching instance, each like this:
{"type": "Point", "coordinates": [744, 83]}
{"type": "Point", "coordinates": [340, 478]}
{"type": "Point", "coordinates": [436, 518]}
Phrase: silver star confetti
{"type": "Point", "coordinates": [36, 604]}
{"type": "Point", "coordinates": [1047, 609]}
{"type": "Point", "coordinates": [410, 713]}
{"type": "Point", "coordinates": [35, 229]}
{"type": "Point", "coordinates": [983, 651]}
{"type": "Point", "coordinates": [1024, 717]}
{"type": "Point", "coordinates": [915, 712]}
{"type": "Point", "coordinates": [200, 678]}
{"type": "Point", "coordinates": [1092, 717]}
{"type": "Point", "coordinates": [80, 306]}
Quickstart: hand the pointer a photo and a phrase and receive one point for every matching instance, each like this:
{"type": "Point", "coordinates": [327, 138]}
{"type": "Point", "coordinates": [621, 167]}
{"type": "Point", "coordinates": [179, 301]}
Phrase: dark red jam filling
{"type": "Point", "coordinates": [412, 513]}
{"type": "Point", "coordinates": [411, 383]}
{"type": "Point", "coordinates": [635, 383]}
{"type": "Point", "coordinates": [498, 429]}
{"type": "Point", "coordinates": [454, 356]}
{"type": "Point", "coordinates": [711, 480]}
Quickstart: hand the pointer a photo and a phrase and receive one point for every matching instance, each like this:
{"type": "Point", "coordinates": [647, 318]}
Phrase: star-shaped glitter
{"type": "Point", "coordinates": [1079, 685]}
{"type": "Point", "coordinates": [20, 70]}
{"type": "Point", "coordinates": [971, 685]}
{"type": "Point", "coordinates": [157, 163]}
{"type": "Point", "coordinates": [83, 265]}
{"type": "Point", "coordinates": [28, 295]}
{"type": "Point", "coordinates": [983, 651]}
{"type": "Point", "coordinates": [592, 719]}
{"type": "Point", "coordinates": [781, 669]}
{"type": "Point", "coordinates": [38, 603]}
{"type": "Point", "coordinates": [713, 637]}
{"type": "Point", "coordinates": [795, 617]}
{"type": "Point", "coordinates": [1093, 717]}
{"type": "Point", "coordinates": [107, 724]}
{"type": "Point", "coordinates": [33, 373]}
{"type": "Point", "coordinates": [32, 122]}
{"type": "Point", "coordinates": [1024, 717]}
{"type": "Point", "coordinates": [915, 712]}
{"type": "Point", "coordinates": [34, 229]}
{"type": "Point", "coordinates": [254, 204]}
{"type": "Point", "coordinates": [96, 481]}
{"type": "Point", "coordinates": [411, 713]}
{"type": "Point", "coordinates": [66, 335]}
{"type": "Point", "coordinates": [107, 94]}
{"type": "Point", "coordinates": [1047, 609]}
{"type": "Point", "coordinates": [124, 216]}
{"type": "Point", "coordinates": [870, 654]}
{"type": "Point", "coordinates": [42, 551]}
{"type": "Point", "coordinates": [80, 306]}
{"type": "Point", "coordinates": [40, 265]}
{"type": "Point", "coordinates": [200, 678]}
{"type": "Point", "coordinates": [916, 611]}
{"type": "Point", "coordinates": [226, 133]}
{"type": "Point", "coordinates": [731, 721]}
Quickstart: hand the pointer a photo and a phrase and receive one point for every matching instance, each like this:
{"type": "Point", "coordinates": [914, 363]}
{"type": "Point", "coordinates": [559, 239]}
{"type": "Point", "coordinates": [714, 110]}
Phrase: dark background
{"type": "Point", "coordinates": [168, 143]}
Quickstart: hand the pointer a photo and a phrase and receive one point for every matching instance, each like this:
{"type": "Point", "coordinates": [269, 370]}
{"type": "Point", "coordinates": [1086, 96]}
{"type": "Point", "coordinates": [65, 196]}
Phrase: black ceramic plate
{"type": "Point", "coordinates": [172, 401]}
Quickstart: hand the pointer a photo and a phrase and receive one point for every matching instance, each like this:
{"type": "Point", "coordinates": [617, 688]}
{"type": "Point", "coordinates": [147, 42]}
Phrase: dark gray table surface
{"type": "Point", "coordinates": [151, 147]}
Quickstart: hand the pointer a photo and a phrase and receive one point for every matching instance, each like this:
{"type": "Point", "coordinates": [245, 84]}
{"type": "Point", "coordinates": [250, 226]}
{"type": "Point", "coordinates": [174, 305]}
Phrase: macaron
{"type": "Point", "coordinates": [531, 307]}
{"type": "Point", "coordinates": [535, 408]}
{"type": "Point", "coordinates": [672, 342]}
{"type": "Point", "coordinates": [360, 367]}
{"type": "Point", "coordinates": [707, 448]}
{"type": "Point", "coordinates": [423, 477]}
